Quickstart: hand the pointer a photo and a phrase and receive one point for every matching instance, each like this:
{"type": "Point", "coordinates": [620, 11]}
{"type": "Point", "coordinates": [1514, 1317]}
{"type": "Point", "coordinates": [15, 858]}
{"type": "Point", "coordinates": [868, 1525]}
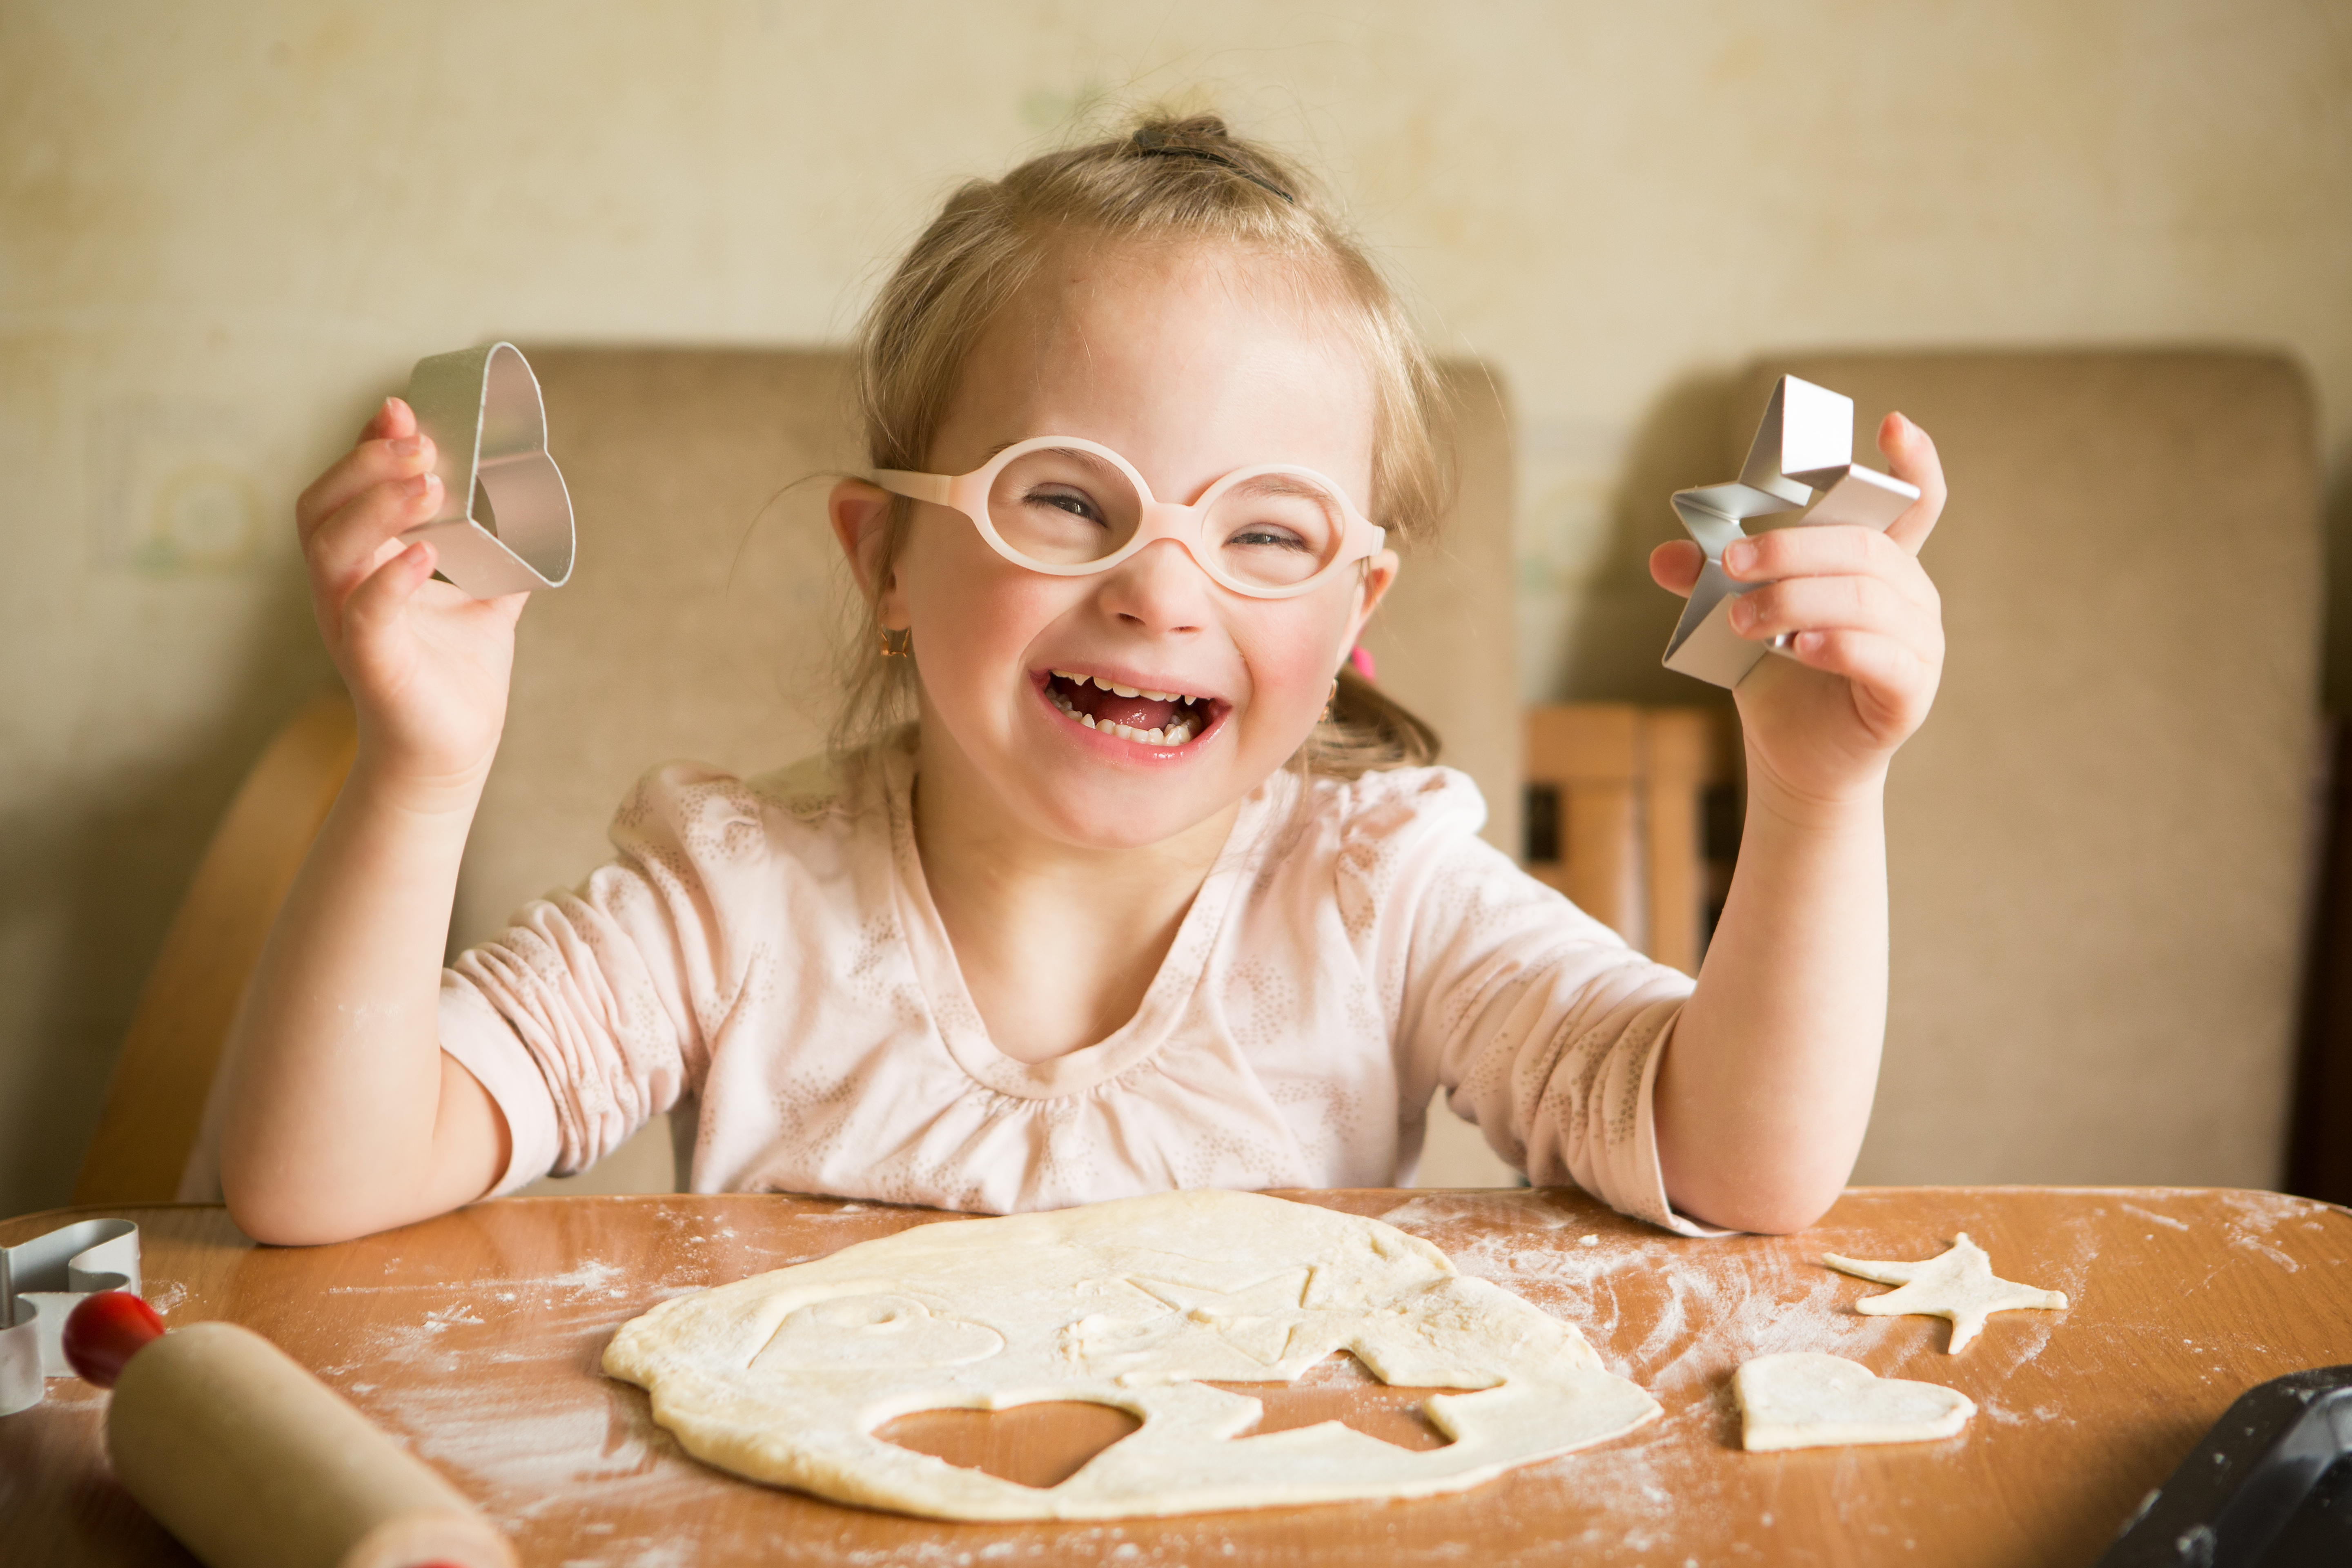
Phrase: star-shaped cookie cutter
{"type": "Point", "coordinates": [1805, 445]}
{"type": "Point", "coordinates": [505, 523]}
{"type": "Point", "coordinates": [41, 1281]}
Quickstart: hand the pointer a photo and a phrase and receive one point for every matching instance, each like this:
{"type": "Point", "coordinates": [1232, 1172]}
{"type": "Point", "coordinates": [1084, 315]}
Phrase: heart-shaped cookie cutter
{"type": "Point", "coordinates": [505, 523]}
{"type": "Point", "coordinates": [40, 1283]}
{"type": "Point", "coordinates": [1804, 445]}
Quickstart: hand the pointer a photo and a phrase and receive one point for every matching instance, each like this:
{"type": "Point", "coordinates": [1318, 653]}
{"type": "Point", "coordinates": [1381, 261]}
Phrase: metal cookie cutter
{"type": "Point", "coordinates": [1805, 444]}
{"type": "Point", "coordinates": [505, 523]}
{"type": "Point", "coordinates": [40, 1283]}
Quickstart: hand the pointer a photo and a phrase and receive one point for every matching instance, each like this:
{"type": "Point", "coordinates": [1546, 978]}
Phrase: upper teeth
{"type": "Point", "coordinates": [1113, 687]}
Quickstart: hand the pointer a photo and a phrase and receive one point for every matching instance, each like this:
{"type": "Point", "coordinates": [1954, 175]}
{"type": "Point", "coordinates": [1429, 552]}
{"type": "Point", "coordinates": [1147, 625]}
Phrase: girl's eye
{"type": "Point", "coordinates": [1076, 502]}
{"type": "Point", "coordinates": [1268, 536]}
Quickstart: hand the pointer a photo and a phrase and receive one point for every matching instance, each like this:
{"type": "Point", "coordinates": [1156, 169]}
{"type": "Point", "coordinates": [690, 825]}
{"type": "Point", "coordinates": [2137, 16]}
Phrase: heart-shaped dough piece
{"type": "Point", "coordinates": [1804, 1399]}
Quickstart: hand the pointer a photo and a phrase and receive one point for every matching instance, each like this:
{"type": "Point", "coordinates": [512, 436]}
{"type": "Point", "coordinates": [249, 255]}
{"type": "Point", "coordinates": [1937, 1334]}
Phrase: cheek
{"type": "Point", "coordinates": [974, 614]}
{"type": "Point", "coordinates": [1291, 660]}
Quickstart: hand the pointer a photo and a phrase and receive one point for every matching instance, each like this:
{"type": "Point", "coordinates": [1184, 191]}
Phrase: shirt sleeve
{"type": "Point", "coordinates": [595, 1011]}
{"type": "Point", "coordinates": [1542, 1026]}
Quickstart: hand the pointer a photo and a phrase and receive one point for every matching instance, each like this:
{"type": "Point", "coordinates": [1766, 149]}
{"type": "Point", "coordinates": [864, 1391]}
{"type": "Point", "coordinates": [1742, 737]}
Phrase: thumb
{"type": "Point", "coordinates": [1676, 565]}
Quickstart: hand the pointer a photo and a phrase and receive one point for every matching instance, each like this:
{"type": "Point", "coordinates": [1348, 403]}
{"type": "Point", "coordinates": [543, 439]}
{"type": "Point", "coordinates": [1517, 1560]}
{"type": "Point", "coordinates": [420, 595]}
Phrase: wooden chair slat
{"type": "Point", "coordinates": [155, 1100]}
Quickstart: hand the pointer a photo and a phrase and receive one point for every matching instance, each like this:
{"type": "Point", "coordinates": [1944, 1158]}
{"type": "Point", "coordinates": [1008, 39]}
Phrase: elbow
{"type": "Point", "coordinates": [257, 1216]}
{"type": "Point", "coordinates": [1769, 1216]}
{"type": "Point", "coordinates": [1760, 1208]}
{"type": "Point", "coordinates": [1765, 1214]}
{"type": "Point", "coordinates": [264, 1210]}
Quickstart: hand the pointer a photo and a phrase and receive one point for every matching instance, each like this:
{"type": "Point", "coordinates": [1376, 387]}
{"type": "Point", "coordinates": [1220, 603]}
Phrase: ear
{"type": "Point", "coordinates": [860, 512]}
{"type": "Point", "coordinates": [1380, 576]}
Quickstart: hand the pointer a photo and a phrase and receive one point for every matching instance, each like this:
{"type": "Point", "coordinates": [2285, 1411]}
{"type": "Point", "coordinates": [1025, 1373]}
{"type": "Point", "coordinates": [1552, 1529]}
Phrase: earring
{"type": "Point", "coordinates": [1328, 698]}
{"type": "Point", "coordinates": [898, 644]}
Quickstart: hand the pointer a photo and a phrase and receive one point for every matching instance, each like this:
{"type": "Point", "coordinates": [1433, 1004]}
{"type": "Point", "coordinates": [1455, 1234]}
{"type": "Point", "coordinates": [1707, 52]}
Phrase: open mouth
{"type": "Point", "coordinates": [1131, 713]}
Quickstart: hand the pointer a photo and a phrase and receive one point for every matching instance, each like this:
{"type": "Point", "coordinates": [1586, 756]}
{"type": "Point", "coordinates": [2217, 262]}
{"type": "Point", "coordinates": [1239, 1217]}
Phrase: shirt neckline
{"type": "Point", "coordinates": [1165, 1001]}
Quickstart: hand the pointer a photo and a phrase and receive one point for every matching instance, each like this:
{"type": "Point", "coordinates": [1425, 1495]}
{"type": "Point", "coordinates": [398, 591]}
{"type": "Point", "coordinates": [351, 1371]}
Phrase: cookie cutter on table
{"type": "Point", "coordinates": [505, 523]}
{"type": "Point", "coordinates": [41, 1282]}
{"type": "Point", "coordinates": [1802, 457]}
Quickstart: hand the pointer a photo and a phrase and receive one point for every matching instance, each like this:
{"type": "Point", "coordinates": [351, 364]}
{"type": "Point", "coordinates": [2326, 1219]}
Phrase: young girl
{"type": "Point", "coordinates": [1128, 906]}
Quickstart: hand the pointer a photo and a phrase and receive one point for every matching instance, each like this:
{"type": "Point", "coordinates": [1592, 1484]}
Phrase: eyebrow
{"type": "Point", "coordinates": [1277, 483]}
{"type": "Point", "coordinates": [1285, 484]}
{"type": "Point", "coordinates": [1093, 461]}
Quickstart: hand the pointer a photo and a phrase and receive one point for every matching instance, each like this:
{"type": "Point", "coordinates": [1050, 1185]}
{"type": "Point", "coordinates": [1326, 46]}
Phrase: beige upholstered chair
{"type": "Point", "coordinates": [2099, 842]}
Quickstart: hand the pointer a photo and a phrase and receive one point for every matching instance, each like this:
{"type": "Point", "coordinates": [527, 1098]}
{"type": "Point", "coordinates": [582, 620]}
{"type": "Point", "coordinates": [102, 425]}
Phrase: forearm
{"type": "Point", "coordinates": [344, 1115]}
{"type": "Point", "coordinates": [1765, 1091]}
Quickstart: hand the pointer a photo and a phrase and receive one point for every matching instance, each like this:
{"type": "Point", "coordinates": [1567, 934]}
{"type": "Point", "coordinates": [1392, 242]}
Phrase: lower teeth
{"type": "Point", "coordinates": [1172, 735]}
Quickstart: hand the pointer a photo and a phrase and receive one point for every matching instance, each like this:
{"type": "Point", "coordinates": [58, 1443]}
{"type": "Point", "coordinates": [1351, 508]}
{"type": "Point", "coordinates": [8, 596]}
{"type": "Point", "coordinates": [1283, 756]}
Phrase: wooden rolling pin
{"type": "Point", "coordinates": [253, 1463]}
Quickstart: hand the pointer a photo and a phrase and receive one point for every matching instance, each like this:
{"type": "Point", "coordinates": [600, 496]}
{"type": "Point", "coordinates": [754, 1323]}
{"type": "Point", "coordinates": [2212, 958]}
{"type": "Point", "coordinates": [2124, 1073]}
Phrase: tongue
{"type": "Point", "coordinates": [1110, 708]}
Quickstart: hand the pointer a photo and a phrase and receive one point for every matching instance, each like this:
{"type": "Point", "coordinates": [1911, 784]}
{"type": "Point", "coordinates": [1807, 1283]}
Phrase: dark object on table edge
{"type": "Point", "coordinates": [2269, 1487]}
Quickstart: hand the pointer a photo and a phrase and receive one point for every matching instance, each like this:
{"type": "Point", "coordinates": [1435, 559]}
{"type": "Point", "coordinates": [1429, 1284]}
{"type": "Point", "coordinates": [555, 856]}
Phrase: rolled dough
{"type": "Point", "coordinates": [1807, 1400]}
{"type": "Point", "coordinates": [1139, 1304]}
{"type": "Point", "coordinates": [1958, 1285]}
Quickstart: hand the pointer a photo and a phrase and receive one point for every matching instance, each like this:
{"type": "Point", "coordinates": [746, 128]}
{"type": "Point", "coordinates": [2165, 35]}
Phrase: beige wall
{"type": "Point", "coordinates": [224, 230]}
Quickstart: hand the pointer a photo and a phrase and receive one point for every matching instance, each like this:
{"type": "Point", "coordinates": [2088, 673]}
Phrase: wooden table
{"type": "Point", "coordinates": [476, 1337]}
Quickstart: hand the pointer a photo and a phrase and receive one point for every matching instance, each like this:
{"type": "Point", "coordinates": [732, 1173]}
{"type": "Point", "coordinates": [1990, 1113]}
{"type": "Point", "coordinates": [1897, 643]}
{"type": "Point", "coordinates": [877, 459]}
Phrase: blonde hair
{"type": "Point", "coordinates": [1168, 180]}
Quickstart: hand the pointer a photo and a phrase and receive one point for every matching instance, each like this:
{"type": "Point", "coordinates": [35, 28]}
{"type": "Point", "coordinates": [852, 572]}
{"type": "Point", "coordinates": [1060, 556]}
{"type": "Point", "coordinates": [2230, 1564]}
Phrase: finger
{"type": "Point", "coordinates": [393, 419]}
{"type": "Point", "coordinates": [1833, 550]}
{"type": "Point", "coordinates": [380, 599]}
{"type": "Point", "coordinates": [347, 545]}
{"type": "Point", "coordinates": [1676, 565]}
{"type": "Point", "coordinates": [372, 462]}
{"type": "Point", "coordinates": [1801, 604]}
{"type": "Point", "coordinates": [1911, 456]}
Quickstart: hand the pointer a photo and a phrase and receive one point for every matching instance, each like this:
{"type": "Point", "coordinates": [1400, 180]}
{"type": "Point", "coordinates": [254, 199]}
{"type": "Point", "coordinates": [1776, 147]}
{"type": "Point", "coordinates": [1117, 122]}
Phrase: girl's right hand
{"type": "Point", "coordinates": [427, 663]}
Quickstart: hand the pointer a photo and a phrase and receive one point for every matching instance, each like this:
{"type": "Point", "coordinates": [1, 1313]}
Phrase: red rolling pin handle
{"type": "Point", "coordinates": [105, 1329]}
{"type": "Point", "coordinates": [253, 1462]}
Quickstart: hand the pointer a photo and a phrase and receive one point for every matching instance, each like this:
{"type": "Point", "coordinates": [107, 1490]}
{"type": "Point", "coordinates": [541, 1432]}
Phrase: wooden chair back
{"type": "Point", "coordinates": [1617, 811]}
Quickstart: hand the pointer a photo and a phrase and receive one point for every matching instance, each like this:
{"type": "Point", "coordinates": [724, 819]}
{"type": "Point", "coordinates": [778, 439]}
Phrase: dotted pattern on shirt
{"type": "Point", "coordinates": [1271, 1004]}
{"type": "Point", "coordinates": [1634, 1060]}
{"type": "Point", "coordinates": [877, 959]}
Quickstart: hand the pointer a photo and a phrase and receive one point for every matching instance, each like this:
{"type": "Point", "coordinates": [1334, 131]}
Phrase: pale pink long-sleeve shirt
{"type": "Point", "coordinates": [764, 956]}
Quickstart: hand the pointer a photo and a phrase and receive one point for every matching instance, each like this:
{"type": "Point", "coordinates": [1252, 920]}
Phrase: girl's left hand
{"type": "Point", "coordinates": [1869, 644]}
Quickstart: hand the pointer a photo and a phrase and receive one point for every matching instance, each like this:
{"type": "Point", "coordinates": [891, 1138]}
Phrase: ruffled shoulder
{"type": "Point", "coordinates": [1401, 802]}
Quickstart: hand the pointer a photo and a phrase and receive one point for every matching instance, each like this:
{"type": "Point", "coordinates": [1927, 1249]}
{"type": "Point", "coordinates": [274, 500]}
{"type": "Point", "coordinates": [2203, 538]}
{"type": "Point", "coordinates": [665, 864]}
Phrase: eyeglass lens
{"type": "Point", "coordinates": [1064, 507]}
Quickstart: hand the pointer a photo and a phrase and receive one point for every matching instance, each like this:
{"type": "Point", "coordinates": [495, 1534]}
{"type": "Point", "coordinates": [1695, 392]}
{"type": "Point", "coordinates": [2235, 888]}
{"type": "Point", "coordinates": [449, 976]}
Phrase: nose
{"type": "Point", "coordinates": [1160, 588]}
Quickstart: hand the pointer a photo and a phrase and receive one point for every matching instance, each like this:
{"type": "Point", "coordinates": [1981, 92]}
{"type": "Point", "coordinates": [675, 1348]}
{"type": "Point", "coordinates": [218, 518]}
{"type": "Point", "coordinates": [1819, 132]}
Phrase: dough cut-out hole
{"type": "Point", "coordinates": [1040, 1445]}
{"type": "Point", "coordinates": [1342, 1388]}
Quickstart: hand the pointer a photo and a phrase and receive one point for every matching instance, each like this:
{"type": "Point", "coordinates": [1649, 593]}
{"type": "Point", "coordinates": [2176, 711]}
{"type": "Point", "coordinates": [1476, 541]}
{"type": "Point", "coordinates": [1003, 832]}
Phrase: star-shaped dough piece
{"type": "Point", "coordinates": [1959, 1285]}
{"type": "Point", "coordinates": [1256, 1319]}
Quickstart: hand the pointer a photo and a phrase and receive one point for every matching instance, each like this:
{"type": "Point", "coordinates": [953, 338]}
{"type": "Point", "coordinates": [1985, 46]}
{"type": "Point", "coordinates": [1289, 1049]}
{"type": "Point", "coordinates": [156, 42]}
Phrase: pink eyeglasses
{"type": "Point", "coordinates": [1071, 508]}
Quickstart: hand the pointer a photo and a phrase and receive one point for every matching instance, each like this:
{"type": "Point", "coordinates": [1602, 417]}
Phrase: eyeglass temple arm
{"type": "Point", "coordinates": [914, 486]}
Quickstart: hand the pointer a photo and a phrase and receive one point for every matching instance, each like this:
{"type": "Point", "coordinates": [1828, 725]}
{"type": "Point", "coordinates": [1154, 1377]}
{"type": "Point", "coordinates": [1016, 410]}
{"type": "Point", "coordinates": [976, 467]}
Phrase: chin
{"type": "Point", "coordinates": [1128, 814]}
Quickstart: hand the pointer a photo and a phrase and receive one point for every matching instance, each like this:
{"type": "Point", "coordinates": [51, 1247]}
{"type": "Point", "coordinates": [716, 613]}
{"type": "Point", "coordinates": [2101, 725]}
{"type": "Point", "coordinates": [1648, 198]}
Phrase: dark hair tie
{"type": "Point", "coordinates": [1151, 144]}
